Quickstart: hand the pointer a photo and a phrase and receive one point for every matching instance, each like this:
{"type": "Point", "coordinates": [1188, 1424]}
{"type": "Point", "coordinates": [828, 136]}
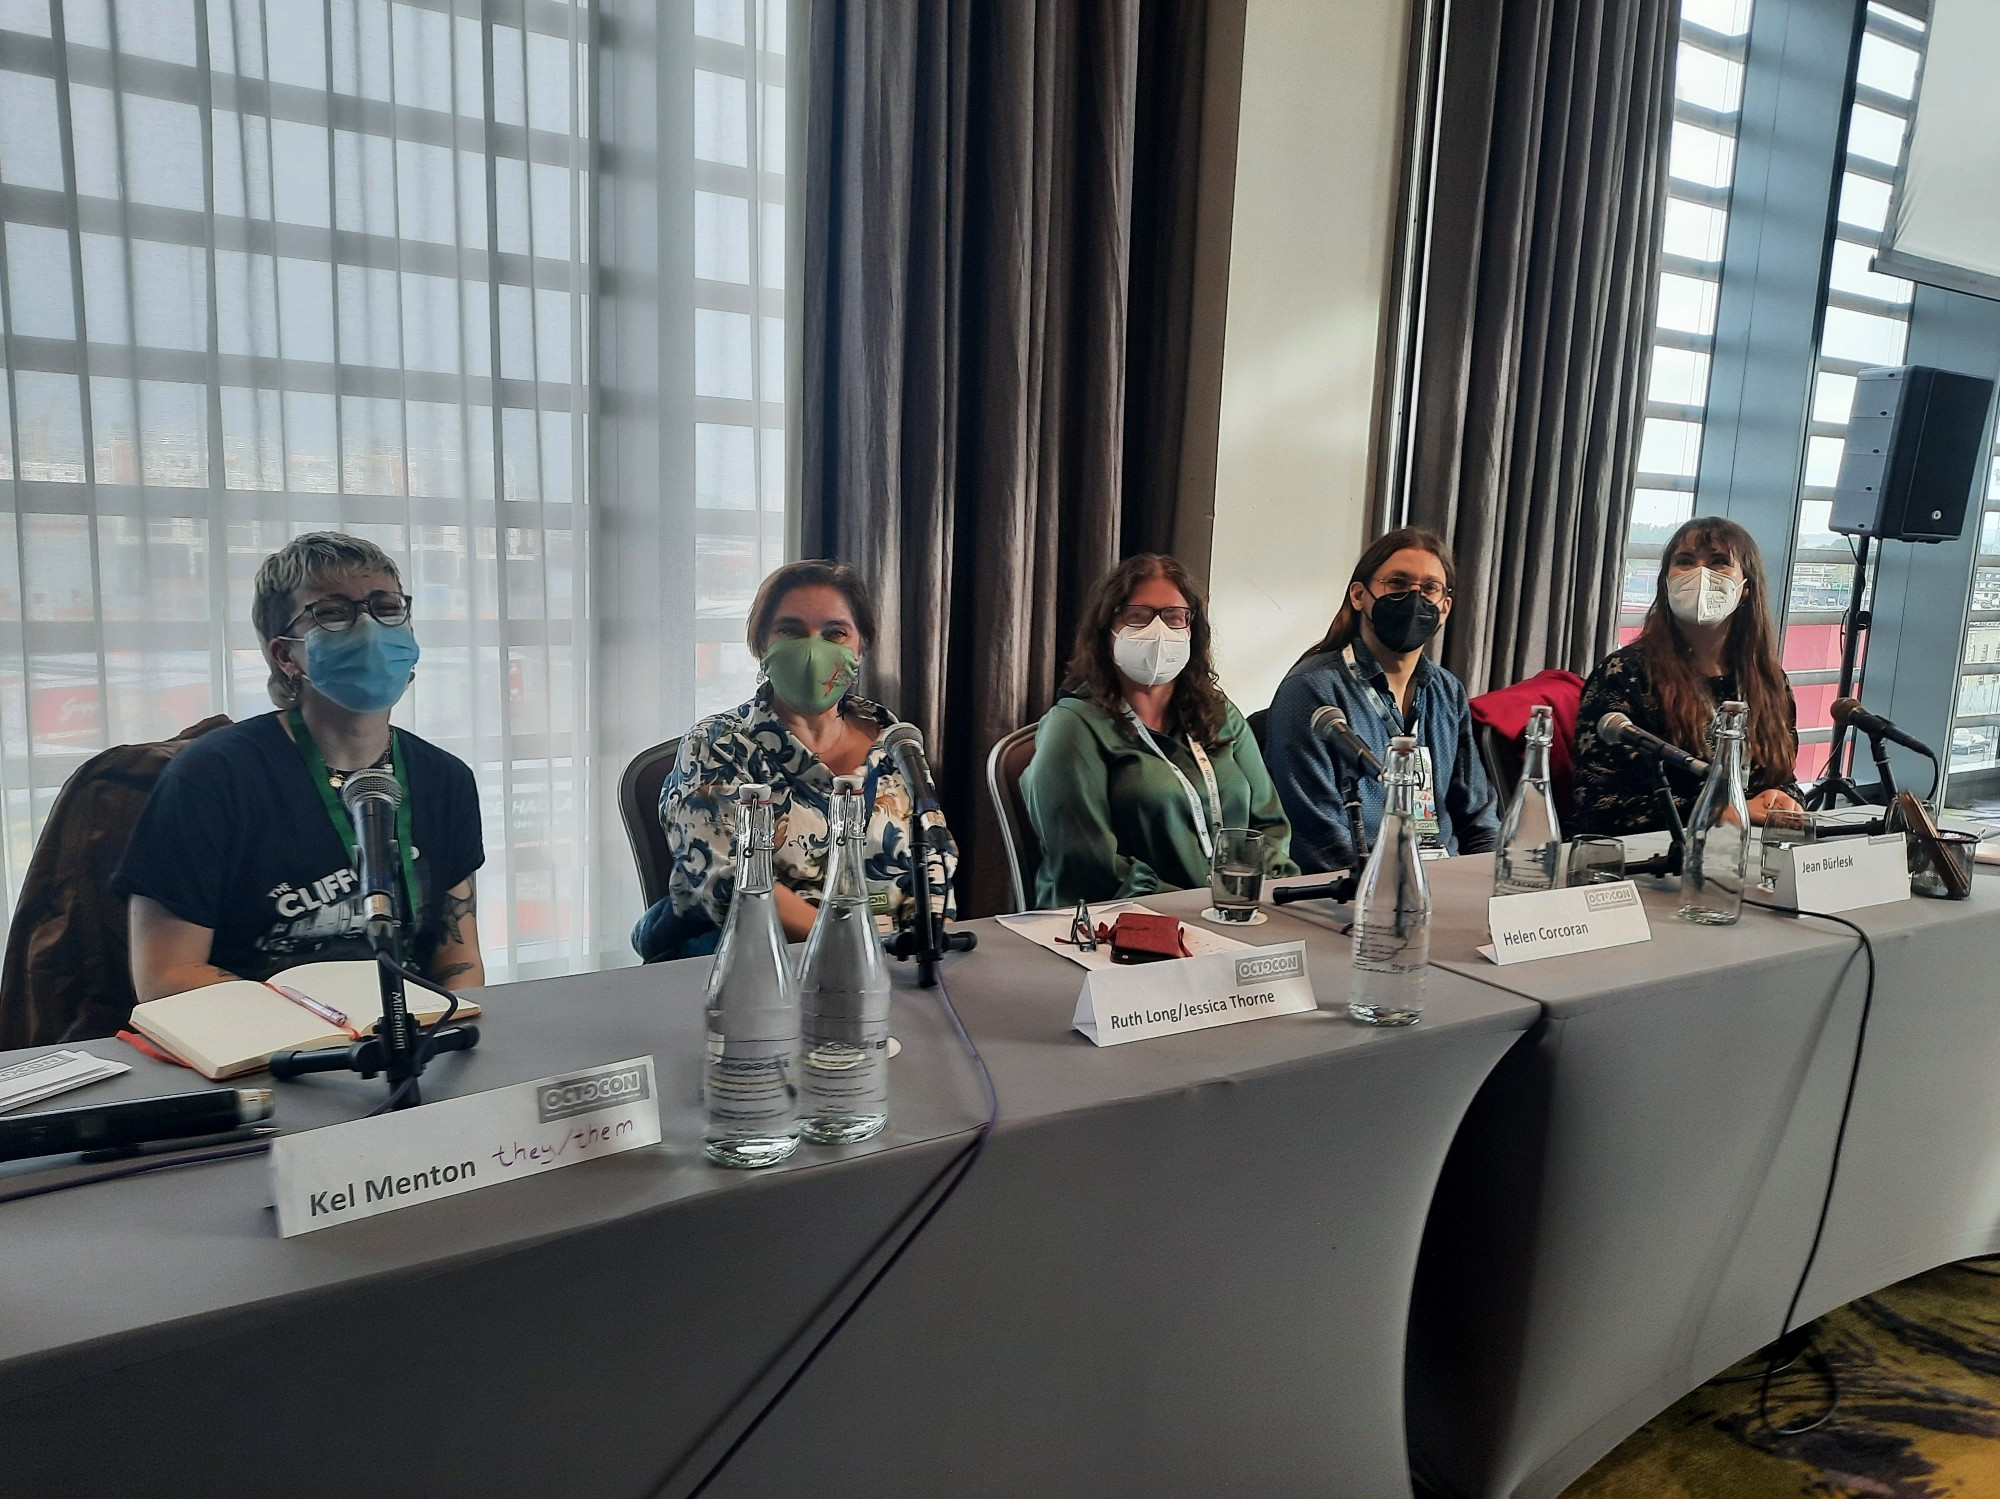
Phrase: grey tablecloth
{"type": "Point", "coordinates": [1632, 1198]}
{"type": "Point", "coordinates": [582, 1332]}
{"type": "Point", "coordinates": [1180, 1268]}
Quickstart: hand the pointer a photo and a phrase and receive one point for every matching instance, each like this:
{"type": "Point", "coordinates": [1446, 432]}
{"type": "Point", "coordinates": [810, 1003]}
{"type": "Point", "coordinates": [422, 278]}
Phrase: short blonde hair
{"type": "Point", "coordinates": [312, 560]}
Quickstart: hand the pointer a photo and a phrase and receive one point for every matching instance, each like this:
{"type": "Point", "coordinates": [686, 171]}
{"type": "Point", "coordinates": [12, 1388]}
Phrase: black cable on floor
{"type": "Point", "coordinates": [1815, 1361]}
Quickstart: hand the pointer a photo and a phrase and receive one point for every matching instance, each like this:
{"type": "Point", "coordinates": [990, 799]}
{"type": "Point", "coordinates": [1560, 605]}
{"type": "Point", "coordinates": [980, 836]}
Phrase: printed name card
{"type": "Point", "coordinates": [347, 1171]}
{"type": "Point", "coordinates": [1844, 873]}
{"type": "Point", "coordinates": [1144, 1000]}
{"type": "Point", "coordinates": [1549, 923]}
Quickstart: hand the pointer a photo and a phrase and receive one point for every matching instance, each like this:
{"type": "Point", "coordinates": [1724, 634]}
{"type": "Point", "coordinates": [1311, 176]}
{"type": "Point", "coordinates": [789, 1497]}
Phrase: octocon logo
{"type": "Point", "coordinates": [589, 1091]}
{"type": "Point", "coordinates": [1267, 966]}
{"type": "Point", "coordinates": [1610, 897]}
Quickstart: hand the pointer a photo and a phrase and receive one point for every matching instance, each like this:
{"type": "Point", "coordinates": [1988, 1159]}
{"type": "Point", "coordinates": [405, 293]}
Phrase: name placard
{"type": "Point", "coordinates": [1844, 873]}
{"type": "Point", "coordinates": [347, 1171]}
{"type": "Point", "coordinates": [1549, 923]}
{"type": "Point", "coordinates": [1192, 994]}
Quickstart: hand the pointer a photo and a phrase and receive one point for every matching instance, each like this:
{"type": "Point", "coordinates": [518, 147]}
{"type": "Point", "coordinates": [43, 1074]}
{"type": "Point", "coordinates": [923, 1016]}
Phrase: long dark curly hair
{"type": "Point", "coordinates": [1198, 708]}
{"type": "Point", "coordinates": [1750, 652]}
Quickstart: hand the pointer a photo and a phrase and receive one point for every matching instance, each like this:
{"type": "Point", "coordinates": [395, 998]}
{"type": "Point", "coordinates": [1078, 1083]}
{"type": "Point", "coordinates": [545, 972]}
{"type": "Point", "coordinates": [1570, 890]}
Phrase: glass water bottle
{"type": "Point", "coordinates": [844, 993]}
{"type": "Point", "coordinates": [1392, 908]}
{"type": "Point", "coordinates": [1718, 832]}
{"type": "Point", "coordinates": [750, 1089]}
{"type": "Point", "coordinates": [1530, 846]}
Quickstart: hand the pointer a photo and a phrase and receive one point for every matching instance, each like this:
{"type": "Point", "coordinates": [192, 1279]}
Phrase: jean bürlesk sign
{"type": "Point", "coordinates": [376, 1165]}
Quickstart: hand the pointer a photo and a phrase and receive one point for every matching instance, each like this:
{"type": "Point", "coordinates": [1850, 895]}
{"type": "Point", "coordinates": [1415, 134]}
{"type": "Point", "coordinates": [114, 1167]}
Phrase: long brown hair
{"type": "Point", "coordinates": [1750, 653]}
{"type": "Point", "coordinates": [1346, 624]}
{"type": "Point", "coordinates": [1198, 707]}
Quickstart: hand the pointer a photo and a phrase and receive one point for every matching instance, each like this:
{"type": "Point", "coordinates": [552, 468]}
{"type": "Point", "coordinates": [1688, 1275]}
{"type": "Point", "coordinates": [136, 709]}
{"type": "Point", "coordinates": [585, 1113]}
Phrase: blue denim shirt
{"type": "Point", "coordinates": [1312, 776]}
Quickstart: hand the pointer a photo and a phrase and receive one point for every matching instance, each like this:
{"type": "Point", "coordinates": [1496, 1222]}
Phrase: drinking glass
{"type": "Point", "coordinates": [1595, 860]}
{"type": "Point", "coordinates": [1236, 877]}
{"type": "Point", "coordinates": [1784, 828]}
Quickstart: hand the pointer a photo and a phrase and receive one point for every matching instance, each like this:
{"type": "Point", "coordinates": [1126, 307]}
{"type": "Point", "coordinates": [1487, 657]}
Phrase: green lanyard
{"type": "Point", "coordinates": [344, 825]}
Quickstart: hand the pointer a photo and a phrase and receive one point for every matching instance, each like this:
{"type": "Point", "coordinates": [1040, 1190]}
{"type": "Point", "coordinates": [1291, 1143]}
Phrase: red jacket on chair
{"type": "Point", "coordinates": [1505, 710]}
{"type": "Point", "coordinates": [68, 972]}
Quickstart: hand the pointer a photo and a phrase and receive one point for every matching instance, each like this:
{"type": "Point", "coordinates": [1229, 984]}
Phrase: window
{"type": "Point", "coordinates": [1975, 724]}
{"type": "Point", "coordinates": [1708, 97]}
{"type": "Point", "coordinates": [269, 266]}
{"type": "Point", "coordinates": [1866, 323]}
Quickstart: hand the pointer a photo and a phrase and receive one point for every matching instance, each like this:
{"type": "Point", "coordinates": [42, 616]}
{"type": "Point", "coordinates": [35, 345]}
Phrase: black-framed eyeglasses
{"type": "Point", "coordinates": [337, 612]}
{"type": "Point", "coordinates": [1432, 590]}
{"type": "Point", "coordinates": [1138, 616]}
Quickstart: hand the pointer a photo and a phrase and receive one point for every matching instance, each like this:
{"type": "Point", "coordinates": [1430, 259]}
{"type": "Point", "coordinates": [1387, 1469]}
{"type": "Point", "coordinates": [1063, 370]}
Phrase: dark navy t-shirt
{"type": "Point", "coordinates": [235, 838]}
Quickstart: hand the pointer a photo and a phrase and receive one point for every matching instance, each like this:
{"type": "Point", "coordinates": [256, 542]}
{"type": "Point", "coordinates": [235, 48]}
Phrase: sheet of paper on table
{"type": "Point", "coordinates": [1050, 928]}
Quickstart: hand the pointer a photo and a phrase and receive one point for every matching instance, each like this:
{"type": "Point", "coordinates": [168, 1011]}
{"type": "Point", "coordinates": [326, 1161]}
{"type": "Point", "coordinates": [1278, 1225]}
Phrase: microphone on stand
{"type": "Point", "coordinates": [905, 744]}
{"type": "Point", "coordinates": [1331, 725]}
{"type": "Point", "coordinates": [1616, 728]}
{"type": "Point", "coordinates": [371, 797]}
{"type": "Point", "coordinates": [1848, 711]}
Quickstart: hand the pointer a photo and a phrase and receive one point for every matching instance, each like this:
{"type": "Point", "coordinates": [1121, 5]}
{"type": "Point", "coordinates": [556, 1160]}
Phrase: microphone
{"type": "Point", "coordinates": [905, 744]}
{"type": "Point", "coordinates": [1616, 728]}
{"type": "Point", "coordinates": [371, 797]}
{"type": "Point", "coordinates": [1848, 710]}
{"type": "Point", "coordinates": [137, 1121]}
{"type": "Point", "coordinates": [1330, 724]}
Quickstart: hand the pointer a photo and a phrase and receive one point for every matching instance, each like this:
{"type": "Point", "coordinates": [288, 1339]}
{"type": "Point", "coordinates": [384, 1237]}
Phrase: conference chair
{"type": "Point", "coordinates": [639, 804]}
{"type": "Point", "coordinates": [1004, 768]}
{"type": "Point", "coordinates": [1500, 724]}
{"type": "Point", "coordinates": [67, 975]}
{"type": "Point", "coordinates": [1260, 727]}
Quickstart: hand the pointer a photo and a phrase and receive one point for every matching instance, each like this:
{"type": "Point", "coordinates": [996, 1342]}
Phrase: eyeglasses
{"type": "Point", "coordinates": [337, 612]}
{"type": "Point", "coordinates": [1138, 616]}
{"type": "Point", "coordinates": [1432, 590]}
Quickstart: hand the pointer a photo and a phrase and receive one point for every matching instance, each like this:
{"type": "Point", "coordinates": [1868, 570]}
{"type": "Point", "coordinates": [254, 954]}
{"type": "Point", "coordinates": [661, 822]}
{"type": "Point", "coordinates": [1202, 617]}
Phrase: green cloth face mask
{"type": "Point", "coordinates": [809, 673]}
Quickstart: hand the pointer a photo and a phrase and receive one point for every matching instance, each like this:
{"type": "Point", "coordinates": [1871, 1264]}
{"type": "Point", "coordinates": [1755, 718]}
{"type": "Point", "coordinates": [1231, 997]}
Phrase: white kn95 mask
{"type": "Point", "coordinates": [1704, 596]}
{"type": "Point", "coordinates": [1153, 654]}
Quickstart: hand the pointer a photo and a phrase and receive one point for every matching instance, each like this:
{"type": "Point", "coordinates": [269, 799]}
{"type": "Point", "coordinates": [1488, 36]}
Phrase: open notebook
{"type": "Point", "coordinates": [227, 1029]}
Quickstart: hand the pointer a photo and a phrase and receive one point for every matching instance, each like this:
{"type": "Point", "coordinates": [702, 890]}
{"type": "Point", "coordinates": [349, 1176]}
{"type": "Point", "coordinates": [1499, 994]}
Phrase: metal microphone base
{"type": "Point", "coordinates": [400, 1048]}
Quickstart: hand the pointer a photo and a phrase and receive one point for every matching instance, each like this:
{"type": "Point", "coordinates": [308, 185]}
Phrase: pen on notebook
{"type": "Point", "coordinates": [305, 1002]}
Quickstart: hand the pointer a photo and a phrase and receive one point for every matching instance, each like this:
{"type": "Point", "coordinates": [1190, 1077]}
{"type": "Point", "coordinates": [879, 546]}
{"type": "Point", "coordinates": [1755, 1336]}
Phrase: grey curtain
{"type": "Point", "coordinates": [970, 264]}
{"type": "Point", "coordinates": [1537, 297]}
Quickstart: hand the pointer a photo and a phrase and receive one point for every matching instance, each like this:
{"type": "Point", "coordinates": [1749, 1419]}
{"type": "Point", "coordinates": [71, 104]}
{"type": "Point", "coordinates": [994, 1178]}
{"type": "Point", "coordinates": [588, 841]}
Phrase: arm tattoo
{"type": "Point", "coordinates": [447, 974]}
{"type": "Point", "coordinates": [456, 908]}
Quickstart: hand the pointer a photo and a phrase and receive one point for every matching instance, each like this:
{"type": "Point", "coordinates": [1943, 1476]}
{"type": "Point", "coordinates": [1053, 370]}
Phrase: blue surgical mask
{"type": "Point", "coordinates": [365, 667]}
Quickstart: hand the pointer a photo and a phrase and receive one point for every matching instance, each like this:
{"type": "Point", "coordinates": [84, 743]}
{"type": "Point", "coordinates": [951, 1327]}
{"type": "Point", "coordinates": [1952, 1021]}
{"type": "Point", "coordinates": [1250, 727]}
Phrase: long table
{"type": "Point", "coordinates": [1178, 1267]}
{"type": "Point", "coordinates": [1631, 1201]}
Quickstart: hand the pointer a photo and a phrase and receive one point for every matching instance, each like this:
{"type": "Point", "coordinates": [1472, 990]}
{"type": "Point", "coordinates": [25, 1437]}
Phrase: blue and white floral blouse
{"type": "Point", "coordinates": [751, 745]}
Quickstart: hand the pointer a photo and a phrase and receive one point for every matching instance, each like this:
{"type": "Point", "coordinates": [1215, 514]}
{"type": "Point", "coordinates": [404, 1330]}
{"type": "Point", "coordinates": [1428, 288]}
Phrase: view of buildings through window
{"type": "Point", "coordinates": [1708, 98]}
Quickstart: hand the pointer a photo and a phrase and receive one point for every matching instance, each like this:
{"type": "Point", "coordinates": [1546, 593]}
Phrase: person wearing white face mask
{"type": "Point", "coordinates": [1143, 759]}
{"type": "Point", "coordinates": [1708, 638]}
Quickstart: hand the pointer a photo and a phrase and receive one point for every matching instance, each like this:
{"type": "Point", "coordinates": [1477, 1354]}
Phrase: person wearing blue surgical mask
{"type": "Point", "coordinates": [242, 864]}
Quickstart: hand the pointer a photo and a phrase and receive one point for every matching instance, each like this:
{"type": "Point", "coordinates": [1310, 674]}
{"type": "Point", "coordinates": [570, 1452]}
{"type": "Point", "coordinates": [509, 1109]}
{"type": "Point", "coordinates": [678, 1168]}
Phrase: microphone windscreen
{"type": "Point", "coordinates": [1328, 721]}
{"type": "Point", "coordinates": [1845, 708]}
{"type": "Point", "coordinates": [376, 783]}
{"type": "Point", "coordinates": [901, 735]}
{"type": "Point", "coordinates": [1611, 728]}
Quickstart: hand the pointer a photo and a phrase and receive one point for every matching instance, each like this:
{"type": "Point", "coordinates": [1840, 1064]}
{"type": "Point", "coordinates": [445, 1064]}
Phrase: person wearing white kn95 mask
{"type": "Point", "coordinates": [1143, 760]}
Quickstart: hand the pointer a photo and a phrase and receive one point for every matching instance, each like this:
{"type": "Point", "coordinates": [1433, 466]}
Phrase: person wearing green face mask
{"type": "Point", "coordinates": [810, 626]}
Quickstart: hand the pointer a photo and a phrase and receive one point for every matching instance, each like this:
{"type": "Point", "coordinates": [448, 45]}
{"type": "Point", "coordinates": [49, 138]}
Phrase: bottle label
{"type": "Point", "coordinates": [749, 1082]}
{"type": "Point", "coordinates": [1383, 948]}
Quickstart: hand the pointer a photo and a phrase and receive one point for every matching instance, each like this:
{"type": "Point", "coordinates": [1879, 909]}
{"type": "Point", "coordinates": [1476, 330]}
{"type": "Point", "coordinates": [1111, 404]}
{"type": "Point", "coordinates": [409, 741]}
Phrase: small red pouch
{"type": "Point", "coordinates": [1137, 938]}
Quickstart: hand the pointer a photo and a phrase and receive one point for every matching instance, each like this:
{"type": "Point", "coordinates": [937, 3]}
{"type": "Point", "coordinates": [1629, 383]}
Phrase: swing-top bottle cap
{"type": "Point", "coordinates": [1732, 706]}
{"type": "Point", "coordinates": [1404, 742]}
{"type": "Point", "coordinates": [751, 791]}
{"type": "Point", "coordinates": [847, 785]}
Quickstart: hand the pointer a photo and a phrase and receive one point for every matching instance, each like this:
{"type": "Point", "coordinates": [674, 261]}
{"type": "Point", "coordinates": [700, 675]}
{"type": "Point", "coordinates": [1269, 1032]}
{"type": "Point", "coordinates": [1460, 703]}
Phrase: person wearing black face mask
{"type": "Point", "coordinates": [1371, 665]}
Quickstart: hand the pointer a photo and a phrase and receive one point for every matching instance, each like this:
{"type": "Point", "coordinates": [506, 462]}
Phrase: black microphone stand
{"type": "Point", "coordinates": [1880, 752]}
{"type": "Point", "coordinates": [400, 1047]}
{"type": "Point", "coordinates": [925, 938]}
{"type": "Point", "coordinates": [1670, 862]}
{"type": "Point", "coordinates": [1340, 889]}
{"type": "Point", "coordinates": [1825, 794]}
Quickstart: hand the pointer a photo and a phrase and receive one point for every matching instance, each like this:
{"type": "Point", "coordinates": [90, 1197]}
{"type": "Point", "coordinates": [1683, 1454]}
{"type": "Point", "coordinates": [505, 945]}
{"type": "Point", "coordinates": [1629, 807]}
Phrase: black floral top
{"type": "Point", "coordinates": [1616, 789]}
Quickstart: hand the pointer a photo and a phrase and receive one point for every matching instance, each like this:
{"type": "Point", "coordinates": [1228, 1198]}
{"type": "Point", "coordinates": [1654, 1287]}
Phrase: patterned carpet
{"type": "Point", "coordinates": [1919, 1416]}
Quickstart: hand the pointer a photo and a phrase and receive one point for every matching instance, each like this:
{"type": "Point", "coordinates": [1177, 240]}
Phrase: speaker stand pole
{"type": "Point", "coordinates": [1836, 783]}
